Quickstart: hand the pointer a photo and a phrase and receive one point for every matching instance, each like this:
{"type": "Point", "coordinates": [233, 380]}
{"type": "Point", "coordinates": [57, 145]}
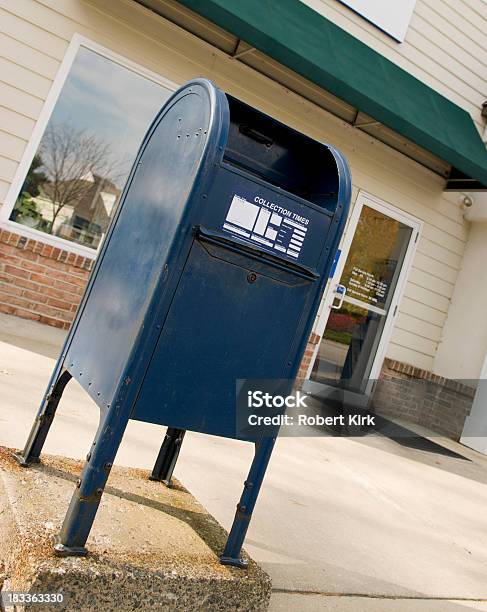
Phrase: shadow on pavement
{"type": "Point", "coordinates": [398, 439]}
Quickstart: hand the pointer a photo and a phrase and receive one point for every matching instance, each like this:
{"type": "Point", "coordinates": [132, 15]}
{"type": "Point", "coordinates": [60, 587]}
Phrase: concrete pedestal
{"type": "Point", "coordinates": [151, 548]}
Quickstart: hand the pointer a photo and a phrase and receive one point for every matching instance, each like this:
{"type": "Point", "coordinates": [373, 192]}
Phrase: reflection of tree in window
{"type": "Point", "coordinates": [75, 180]}
{"type": "Point", "coordinates": [76, 167]}
{"type": "Point", "coordinates": [26, 210]}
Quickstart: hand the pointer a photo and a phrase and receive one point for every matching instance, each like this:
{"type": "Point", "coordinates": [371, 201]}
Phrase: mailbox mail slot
{"type": "Point", "coordinates": [212, 271]}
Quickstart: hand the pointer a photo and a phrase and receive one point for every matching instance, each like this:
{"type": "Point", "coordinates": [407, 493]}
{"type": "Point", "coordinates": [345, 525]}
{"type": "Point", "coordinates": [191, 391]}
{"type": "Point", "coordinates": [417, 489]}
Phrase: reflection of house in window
{"type": "Point", "coordinates": [86, 220]}
{"type": "Point", "coordinates": [85, 154]}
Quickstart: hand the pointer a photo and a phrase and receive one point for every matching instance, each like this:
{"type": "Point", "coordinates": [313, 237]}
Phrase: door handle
{"type": "Point", "coordinates": [340, 294]}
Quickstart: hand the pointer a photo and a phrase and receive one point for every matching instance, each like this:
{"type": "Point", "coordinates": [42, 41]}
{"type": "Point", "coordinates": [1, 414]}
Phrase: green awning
{"type": "Point", "coordinates": [309, 44]}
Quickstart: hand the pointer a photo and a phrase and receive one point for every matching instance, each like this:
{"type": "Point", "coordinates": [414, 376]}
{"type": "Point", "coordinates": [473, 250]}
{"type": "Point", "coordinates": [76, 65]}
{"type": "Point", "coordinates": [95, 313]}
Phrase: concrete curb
{"type": "Point", "coordinates": [151, 548]}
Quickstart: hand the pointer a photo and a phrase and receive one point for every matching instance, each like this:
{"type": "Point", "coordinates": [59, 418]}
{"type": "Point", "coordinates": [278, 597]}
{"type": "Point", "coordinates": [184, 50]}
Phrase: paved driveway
{"type": "Point", "coordinates": [341, 524]}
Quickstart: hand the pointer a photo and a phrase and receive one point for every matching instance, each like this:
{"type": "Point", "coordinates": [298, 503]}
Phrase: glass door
{"type": "Point", "coordinates": [359, 307]}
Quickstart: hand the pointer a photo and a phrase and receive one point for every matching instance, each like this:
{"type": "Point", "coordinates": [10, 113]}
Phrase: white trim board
{"type": "Point", "coordinates": [393, 18]}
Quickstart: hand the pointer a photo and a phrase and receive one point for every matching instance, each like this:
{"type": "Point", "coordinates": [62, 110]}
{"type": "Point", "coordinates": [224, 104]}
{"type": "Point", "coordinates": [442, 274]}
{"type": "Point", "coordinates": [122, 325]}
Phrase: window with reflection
{"type": "Point", "coordinates": [77, 174]}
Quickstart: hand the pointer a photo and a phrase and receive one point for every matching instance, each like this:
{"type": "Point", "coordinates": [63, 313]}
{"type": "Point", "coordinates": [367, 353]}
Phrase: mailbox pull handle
{"type": "Point", "coordinates": [241, 247]}
{"type": "Point", "coordinates": [340, 291]}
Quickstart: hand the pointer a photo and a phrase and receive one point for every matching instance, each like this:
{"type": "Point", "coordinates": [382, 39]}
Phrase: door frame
{"type": "Point", "coordinates": [364, 198]}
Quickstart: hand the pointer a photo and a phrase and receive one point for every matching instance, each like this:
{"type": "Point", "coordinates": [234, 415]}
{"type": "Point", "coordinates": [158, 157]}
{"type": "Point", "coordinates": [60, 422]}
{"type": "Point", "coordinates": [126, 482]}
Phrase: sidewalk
{"type": "Point", "coordinates": [359, 524]}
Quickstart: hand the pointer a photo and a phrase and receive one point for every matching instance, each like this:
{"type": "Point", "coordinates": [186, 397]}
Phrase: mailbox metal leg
{"type": "Point", "coordinates": [231, 554]}
{"type": "Point", "coordinates": [89, 488]}
{"type": "Point", "coordinates": [168, 455]}
{"type": "Point", "coordinates": [43, 421]}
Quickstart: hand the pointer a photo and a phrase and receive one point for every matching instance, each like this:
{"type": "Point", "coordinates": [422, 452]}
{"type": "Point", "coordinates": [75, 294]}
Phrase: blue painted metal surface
{"type": "Point", "coordinates": [212, 271]}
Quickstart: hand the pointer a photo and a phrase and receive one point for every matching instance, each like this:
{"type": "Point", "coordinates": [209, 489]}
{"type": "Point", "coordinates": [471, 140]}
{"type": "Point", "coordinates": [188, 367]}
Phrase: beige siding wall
{"type": "Point", "coordinates": [36, 37]}
{"type": "Point", "coordinates": [445, 46]}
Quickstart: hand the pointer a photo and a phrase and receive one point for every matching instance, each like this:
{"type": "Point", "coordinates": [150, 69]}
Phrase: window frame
{"type": "Point", "coordinates": [76, 42]}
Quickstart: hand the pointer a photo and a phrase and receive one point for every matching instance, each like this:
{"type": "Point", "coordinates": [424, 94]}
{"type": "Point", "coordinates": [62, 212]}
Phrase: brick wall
{"type": "Point", "coordinates": [422, 397]}
{"type": "Point", "coordinates": [40, 282]}
{"type": "Point", "coordinates": [308, 355]}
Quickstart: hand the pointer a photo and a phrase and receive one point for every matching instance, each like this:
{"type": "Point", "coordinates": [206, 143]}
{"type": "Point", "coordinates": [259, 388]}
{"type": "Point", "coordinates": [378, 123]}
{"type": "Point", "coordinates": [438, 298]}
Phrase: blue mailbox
{"type": "Point", "coordinates": [212, 270]}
